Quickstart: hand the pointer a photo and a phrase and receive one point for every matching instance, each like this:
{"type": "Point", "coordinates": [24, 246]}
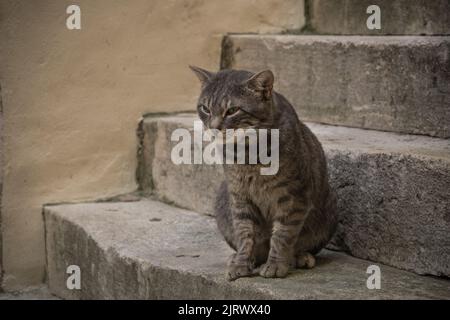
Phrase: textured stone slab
{"type": "Point", "coordinates": [399, 84]}
{"type": "Point", "coordinates": [393, 190]}
{"type": "Point", "coordinates": [401, 17]}
{"type": "Point", "coordinates": [150, 250]}
{"type": "Point", "coordinates": [32, 293]}
{"type": "Point", "coordinates": [187, 186]}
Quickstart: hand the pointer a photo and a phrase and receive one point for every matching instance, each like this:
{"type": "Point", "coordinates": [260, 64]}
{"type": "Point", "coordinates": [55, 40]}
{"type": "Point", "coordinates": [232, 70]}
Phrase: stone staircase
{"type": "Point", "coordinates": [380, 105]}
{"type": "Point", "coordinates": [392, 189]}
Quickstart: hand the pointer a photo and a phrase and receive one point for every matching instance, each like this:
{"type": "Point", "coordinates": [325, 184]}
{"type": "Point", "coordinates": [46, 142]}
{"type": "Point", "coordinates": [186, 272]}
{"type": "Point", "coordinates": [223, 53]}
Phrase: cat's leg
{"type": "Point", "coordinates": [286, 229]}
{"type": "Point", "coordinates": [223, 215]}
{"type": "Point", "coordinates": [245, 227]}
{"type": "Point", "coordinates": [281, 252]}
{"type": "Point", "coordinates": [242, 262]}
{"type": "Point", "coordinates": [259, 254]}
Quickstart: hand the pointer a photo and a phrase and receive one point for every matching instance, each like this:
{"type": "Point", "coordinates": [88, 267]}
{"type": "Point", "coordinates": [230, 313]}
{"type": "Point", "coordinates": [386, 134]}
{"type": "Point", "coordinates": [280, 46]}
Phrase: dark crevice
{"type": "Point", "coordinates": [140, 168]}
{"type": "Point", "coordinates": [1, 190]}
{"type": "Point", "coordinates": [226, 57]}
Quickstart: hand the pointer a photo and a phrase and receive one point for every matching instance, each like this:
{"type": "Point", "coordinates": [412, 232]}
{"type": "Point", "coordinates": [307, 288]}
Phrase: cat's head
{"type": "Point", "coordinates": [235, 99]}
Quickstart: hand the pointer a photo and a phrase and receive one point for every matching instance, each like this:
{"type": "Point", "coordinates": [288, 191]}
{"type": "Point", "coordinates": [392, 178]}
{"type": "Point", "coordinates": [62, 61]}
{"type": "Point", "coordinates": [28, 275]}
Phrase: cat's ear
{"type": "Point", "coordinates": [203, 75]}
{"type": "Point", "coordinates": [262, 82]}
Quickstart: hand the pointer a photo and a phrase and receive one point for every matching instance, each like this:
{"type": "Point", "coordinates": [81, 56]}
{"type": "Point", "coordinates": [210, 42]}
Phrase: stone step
{"type": "Point", "coordinates": [393, 190]}
{"type": "Point", "coordinates": [389, 83]}
{"type": "Point", "coordinates": [40, 292]}
{"type": "Point", "coordinates": [401, 17]}
{"type": "Point", "coordinates": [150, 250]}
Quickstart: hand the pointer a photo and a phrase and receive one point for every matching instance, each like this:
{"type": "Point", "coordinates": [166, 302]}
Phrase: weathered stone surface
{"type": "Point", "coordinates": [150, 250]}
{"type": "Point", "coordinates": [187, 186]}
{"type": "Point", "coordinates": [402, 17]}
{"type": "Point", "coordinates": [393, 190]}
{"type": "Point", "coordinates": [394, 83]}
{"type": "Point", "coordinates": [32, 293]}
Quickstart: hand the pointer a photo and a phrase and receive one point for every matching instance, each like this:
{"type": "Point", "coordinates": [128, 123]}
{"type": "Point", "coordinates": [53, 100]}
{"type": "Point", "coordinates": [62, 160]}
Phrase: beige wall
{"type": "Point", "coordinates": [72, 99]}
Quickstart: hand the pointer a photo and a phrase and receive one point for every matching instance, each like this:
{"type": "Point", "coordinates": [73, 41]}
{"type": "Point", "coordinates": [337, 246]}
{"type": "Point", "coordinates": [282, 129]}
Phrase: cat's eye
{"type": "Point", "coordinates": [203, 109]}
{"type": "Point", "coordinates": [232, 110]}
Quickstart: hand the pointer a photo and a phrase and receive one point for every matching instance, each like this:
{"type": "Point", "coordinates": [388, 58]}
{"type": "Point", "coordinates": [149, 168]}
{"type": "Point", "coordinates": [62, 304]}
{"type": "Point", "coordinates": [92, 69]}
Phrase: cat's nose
{"type": "Point", "coordinates": [215, 124]}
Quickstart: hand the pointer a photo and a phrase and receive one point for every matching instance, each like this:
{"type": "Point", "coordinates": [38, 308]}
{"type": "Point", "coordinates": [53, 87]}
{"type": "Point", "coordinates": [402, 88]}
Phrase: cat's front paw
{"type": "Point", "coordinates": [274, 269]}
{"type": "Point", "coordinates": [239, 269]}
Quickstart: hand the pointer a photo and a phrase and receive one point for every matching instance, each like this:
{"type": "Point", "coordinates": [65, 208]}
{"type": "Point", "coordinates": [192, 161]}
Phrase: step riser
{"type": "Point", "coordinates": [398, 84]}
{"type": "Point", "coordinates": [186, 186]}
{"type": "Point", "coordinates": [393, 209]}
{"type": "Point", "coordinates": [386, 201]}
{"type": "Point", "coordinates": [400, 17]}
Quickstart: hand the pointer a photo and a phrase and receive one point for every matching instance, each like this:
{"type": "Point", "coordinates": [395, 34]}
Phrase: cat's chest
{"type": "Point", "coordinates": [253, 186]}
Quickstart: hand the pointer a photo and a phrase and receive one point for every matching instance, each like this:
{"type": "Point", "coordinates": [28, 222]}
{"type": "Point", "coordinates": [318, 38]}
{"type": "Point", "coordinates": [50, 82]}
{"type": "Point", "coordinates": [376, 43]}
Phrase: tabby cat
{"type": "Point", "coordinates": [273, 222]}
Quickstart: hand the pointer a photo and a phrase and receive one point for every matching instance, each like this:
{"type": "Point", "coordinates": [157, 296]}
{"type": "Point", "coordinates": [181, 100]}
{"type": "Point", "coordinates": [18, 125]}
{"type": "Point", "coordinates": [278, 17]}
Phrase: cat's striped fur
{"type": "Point", "coordinates": [272, 222]}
